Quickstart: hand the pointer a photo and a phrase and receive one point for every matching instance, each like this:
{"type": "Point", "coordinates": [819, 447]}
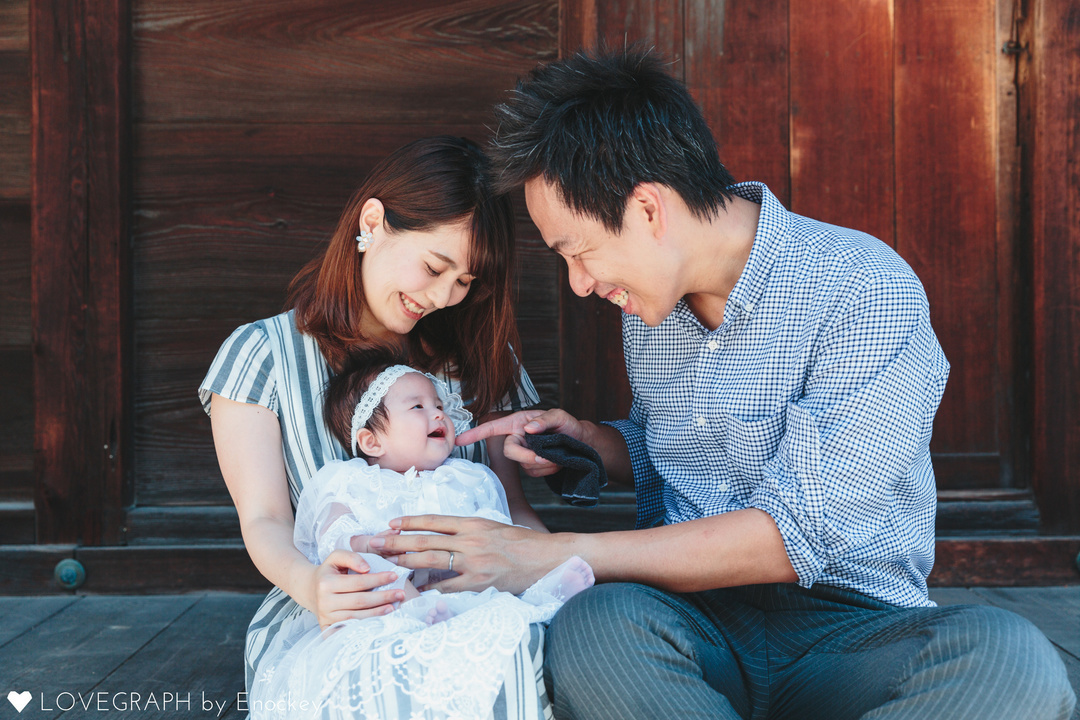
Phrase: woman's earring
{"type": "Point", "coordinates": [363, 241]}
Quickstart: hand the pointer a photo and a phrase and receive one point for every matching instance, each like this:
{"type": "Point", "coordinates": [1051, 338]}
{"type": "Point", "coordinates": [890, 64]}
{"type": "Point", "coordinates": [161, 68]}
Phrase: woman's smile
{"type": "Point", "coordinates": [412, 308]}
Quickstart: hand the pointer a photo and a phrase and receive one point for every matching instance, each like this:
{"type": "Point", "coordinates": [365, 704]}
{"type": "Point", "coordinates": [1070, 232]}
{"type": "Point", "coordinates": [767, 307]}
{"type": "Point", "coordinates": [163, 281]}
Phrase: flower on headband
{"type": "Point", "coordinates": [452, 404]}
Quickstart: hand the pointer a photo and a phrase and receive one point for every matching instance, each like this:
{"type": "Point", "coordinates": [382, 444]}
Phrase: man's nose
{"type": "Point", "coordinates": [580, 281]}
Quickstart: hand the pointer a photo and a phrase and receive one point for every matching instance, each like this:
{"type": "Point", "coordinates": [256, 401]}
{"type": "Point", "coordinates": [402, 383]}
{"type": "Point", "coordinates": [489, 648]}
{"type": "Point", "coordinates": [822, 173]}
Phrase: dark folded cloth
{"type": "Point", "coordinates": [582, 474]}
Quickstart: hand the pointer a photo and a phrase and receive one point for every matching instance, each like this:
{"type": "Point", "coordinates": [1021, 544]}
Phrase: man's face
{"type": "Point", "coordinates": [624, 268]}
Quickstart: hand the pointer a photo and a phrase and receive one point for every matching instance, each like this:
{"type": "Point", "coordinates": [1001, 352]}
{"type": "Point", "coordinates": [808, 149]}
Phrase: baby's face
{"type": "Point", "coordinates": [418, 432]}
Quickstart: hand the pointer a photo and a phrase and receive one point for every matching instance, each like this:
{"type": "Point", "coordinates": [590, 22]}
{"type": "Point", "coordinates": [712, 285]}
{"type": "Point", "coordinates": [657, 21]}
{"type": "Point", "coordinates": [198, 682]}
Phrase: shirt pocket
{"type": "Point", "coordinates": [749, 444]}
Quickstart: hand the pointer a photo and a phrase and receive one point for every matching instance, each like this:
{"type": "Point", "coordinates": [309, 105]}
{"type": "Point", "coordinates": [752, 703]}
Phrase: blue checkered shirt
{"type": "Point", "coordinates": [814, 401]}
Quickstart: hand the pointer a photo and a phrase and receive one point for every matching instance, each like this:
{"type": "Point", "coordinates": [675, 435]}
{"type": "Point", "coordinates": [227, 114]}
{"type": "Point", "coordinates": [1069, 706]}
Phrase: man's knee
{"type": "Point", "coordinates": [1013, 665]}
{"type": "Point", "coordinates": [593, 624]}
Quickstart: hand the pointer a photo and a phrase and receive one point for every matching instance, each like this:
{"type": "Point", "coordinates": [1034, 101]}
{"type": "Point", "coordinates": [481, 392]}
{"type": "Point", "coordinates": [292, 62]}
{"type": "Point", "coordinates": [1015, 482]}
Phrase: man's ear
{"type": "Point", "coordinates": [649, 203]}
{"type": "Point", "coordinates": [367, 443]}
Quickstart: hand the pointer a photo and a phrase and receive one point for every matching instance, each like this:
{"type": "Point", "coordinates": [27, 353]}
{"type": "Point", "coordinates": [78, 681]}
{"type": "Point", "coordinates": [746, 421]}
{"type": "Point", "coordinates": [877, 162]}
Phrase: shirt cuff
{"type": "Point", "coordinates": [648, 485]}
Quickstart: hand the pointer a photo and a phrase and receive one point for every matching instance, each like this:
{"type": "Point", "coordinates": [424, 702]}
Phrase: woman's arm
{"type": "Point", "coordinates": [248, 442]}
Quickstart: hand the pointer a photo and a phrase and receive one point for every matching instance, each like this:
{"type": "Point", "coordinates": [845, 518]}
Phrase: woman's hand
{"type": "Point", "coordinates": [486, 553]}
{"type": "Point", "coordinates": [527, 422]}
{"type": "Point", "coordinates": [340, 595]}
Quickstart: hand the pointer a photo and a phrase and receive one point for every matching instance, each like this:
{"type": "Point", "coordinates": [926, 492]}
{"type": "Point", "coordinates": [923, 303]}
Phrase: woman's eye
{"type": "Point", "coordinates": [464, 283]}
{"type": "Point", "coordinates": [431, 271]}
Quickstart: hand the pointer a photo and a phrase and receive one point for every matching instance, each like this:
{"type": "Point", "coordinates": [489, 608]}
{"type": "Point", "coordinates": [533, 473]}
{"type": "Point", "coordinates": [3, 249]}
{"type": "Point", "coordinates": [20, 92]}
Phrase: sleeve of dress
{"type": "Point", "coordinates": [522, 397]}
{"type": "Point", "coordinates": [648, 485]}
{"type": "Point", "coordinates": [243, 370]}
{"type": "Point", "coordinates": [851, 476]}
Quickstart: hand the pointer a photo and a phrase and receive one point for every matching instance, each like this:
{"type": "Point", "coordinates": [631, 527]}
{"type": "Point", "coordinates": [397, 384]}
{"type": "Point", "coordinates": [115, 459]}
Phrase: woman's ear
{"type": "Point", "coordinates": [367, 443]}
{"type": "Point", "coordinates": [371, 215]}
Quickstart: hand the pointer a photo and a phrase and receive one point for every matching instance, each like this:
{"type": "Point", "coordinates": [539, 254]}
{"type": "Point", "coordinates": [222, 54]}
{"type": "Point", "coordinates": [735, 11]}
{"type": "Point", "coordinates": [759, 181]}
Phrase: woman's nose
{"type": "Point", "coordinates": [439, 294]}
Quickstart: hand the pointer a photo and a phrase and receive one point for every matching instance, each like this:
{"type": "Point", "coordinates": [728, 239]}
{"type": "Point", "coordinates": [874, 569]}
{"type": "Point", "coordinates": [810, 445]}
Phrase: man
{"type": "Point", "coordinates": [785, 379]}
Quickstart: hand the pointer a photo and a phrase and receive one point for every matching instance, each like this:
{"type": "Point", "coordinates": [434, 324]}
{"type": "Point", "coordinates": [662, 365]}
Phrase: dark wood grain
{"type": "Point", "coordinates": [1006, 562]}
{"type": "Point", "coordinates": [334, 61]}
{"type": "Point", "coordinates": [841, 114]}
{"type": "Point", "coordinates": [945, 205]}
{"type": "Point", "coordinates": [79, 267]}
{"type": "Point", "coordinates": [16, 370]}
{"type": "Point", "coordinates": [14, 123]}
{"type": "Point", "coordinates": [28, 569]}
{"type": "Point", "coordinates": [169, 569]}
{"type": "Point", "coordinates": [17, 616]}
{"type": "Point", "coordinates": [742, 82]}
{"type": "Point", "coordinates": [1052, 179]}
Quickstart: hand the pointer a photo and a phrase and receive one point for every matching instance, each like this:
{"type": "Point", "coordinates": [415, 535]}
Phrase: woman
{"type": "Point", "coordinates": [421, 260]}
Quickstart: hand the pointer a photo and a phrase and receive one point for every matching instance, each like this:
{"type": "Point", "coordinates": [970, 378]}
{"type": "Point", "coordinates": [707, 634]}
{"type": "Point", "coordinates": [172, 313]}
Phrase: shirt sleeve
{"type": "Point", "coordinates": [856, 445]}
{"type": "Point", "coordinates": [243, 370]}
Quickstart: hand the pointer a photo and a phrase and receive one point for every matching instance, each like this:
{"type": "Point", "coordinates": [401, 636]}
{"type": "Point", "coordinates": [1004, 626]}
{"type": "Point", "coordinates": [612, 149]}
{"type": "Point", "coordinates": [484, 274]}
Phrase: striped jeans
{"type": "Point", "coordinates": [782, 651]}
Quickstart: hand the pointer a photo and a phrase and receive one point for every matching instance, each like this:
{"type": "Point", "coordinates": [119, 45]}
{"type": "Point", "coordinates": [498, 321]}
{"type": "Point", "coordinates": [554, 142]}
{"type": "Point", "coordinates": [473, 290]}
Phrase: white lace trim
{"type": "Point", "coordinates": [452, 403]}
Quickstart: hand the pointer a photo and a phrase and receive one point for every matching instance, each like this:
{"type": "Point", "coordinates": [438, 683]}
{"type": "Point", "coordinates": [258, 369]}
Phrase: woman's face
{"type": "Point", "coordinates": [407, 275]}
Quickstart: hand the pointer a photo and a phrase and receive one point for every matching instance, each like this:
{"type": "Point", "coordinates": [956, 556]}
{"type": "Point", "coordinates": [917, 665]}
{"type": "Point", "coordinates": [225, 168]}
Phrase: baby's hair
{"type": "Point", "coordinates": [344, 390]}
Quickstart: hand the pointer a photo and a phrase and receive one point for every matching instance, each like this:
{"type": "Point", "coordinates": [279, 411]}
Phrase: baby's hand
{"type": "Point", "coordinates": [359, 543]}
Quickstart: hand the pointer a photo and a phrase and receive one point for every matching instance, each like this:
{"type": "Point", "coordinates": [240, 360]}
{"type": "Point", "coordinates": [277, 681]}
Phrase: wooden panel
{"type": "Point", "coordinates": [28, 569]}
{"type": "Point", "coordinates": [741, 80]}
{"type": "Point", "coordinates": [225, 216]}
{"type": "Point", "coordinates": [945, 204]}
{"type": "Point", "coordinates": [18, 616]}
{"type": "Point", "coordinates": [78, 266]}
{"type": "Point", "coordinates": [1006, 562]}
{"type": "Point", "coordinates": [172, 569]}
{"type": "Point", "coordinates": [282, 61]}
{"type": "Point", "coordinates": [1051, 177]}
{"type": "Point", "coordinates": [15, 99]}
{"type": "Point", "coordinates": [841, 114]}
{"type": "Point", "coordinates": [16, 378]}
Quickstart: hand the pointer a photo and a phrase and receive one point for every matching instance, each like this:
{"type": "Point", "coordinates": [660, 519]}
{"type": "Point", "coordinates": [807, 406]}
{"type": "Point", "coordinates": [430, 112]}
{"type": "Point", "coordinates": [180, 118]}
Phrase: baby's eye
{"type": "Point", "coordinates": [418, 406]}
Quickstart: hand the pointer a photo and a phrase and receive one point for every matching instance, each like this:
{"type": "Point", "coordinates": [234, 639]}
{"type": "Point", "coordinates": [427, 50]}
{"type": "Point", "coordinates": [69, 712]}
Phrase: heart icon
{"type": "Point", "coordinates": [19, 700]}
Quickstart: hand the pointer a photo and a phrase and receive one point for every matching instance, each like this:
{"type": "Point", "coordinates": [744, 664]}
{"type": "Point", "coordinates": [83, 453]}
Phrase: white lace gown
{"type": "Point", "coordinates": [397, 665]}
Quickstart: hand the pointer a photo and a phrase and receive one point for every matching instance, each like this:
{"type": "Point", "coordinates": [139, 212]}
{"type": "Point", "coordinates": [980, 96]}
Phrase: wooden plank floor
{"type": "Point", "coordinates": [181, 655]}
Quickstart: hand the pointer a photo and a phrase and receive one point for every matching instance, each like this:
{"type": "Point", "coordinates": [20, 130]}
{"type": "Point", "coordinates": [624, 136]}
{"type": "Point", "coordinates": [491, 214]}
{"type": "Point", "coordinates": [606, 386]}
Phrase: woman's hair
{"type": "Point", "coordinates": [431, 182]}
{"type": "Point", "coordinates": [597, 126]}
{"type": "Point", "coordinates": [344, 390]}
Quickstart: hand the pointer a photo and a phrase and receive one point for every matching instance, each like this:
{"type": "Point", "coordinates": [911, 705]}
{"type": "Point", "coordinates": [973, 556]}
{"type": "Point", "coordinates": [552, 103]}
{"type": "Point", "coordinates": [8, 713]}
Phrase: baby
{"type": "Point", "coordinates": [400, 425]}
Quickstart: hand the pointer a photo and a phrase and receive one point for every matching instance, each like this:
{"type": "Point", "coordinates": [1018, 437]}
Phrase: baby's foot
{"type": "Point", "coordinates": [562, 583]}
{"type": "Point", "coordinates": [439, 613]}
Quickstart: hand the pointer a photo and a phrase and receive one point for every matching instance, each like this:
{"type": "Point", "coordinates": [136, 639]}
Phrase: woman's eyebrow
{"type": "Point", "coordinates": [444, 258]}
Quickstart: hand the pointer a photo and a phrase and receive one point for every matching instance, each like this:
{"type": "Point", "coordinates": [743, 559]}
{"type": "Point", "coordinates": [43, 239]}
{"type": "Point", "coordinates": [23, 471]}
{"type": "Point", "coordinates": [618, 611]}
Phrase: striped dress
{"type": "Point", "coordinates": [271, 363]}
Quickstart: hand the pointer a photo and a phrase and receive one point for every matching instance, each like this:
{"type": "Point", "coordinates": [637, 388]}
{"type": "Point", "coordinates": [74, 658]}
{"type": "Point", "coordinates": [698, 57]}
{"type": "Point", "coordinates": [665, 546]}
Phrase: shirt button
{"type": "Point", "coordinates": [723, 487]}
{"type": "Point", "coordinates": [712, 345]}
{"type": "Point", "coordinates": [749, 307]}
{"type": "Point", "coordinates": [702, 421]}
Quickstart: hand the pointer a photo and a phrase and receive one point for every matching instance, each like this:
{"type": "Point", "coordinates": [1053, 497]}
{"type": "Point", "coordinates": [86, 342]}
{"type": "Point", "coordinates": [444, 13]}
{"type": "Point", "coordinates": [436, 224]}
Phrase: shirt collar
{"type": "Point", "coordinates": [773, 224]}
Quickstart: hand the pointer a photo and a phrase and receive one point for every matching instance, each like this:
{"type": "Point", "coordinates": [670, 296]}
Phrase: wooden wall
{"type": "Point", "coordinates": [16, 391]}
{"type": "Point", "coordinates": [192, 155]}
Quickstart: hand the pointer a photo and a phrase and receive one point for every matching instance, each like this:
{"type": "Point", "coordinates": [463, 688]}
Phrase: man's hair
{"type": "Point", "coordinates": [596, 126]}
{"type": "Point", "coordinates": [344, 390]}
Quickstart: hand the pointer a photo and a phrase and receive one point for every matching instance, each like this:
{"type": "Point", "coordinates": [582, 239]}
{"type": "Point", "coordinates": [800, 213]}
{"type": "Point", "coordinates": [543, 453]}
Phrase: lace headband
{"type": "Point", "coordinates": [452, 404]}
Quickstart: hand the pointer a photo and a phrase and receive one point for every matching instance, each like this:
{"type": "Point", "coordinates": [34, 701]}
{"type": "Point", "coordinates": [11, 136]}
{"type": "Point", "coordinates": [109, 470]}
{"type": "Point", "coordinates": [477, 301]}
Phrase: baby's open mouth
{"type": "Point", "coordinates": [440, 433]}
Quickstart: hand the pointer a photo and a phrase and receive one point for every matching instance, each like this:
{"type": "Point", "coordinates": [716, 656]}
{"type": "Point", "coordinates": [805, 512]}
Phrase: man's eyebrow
{"type": "Point", "coordinates": [560, 245]}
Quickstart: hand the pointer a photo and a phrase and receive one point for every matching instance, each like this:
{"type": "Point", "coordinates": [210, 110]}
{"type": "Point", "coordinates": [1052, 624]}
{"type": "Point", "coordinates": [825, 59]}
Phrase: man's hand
{"type": "Point", "coordinates": [527, 422]}
{"type": "Point", "coordinates": [486, 553]}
